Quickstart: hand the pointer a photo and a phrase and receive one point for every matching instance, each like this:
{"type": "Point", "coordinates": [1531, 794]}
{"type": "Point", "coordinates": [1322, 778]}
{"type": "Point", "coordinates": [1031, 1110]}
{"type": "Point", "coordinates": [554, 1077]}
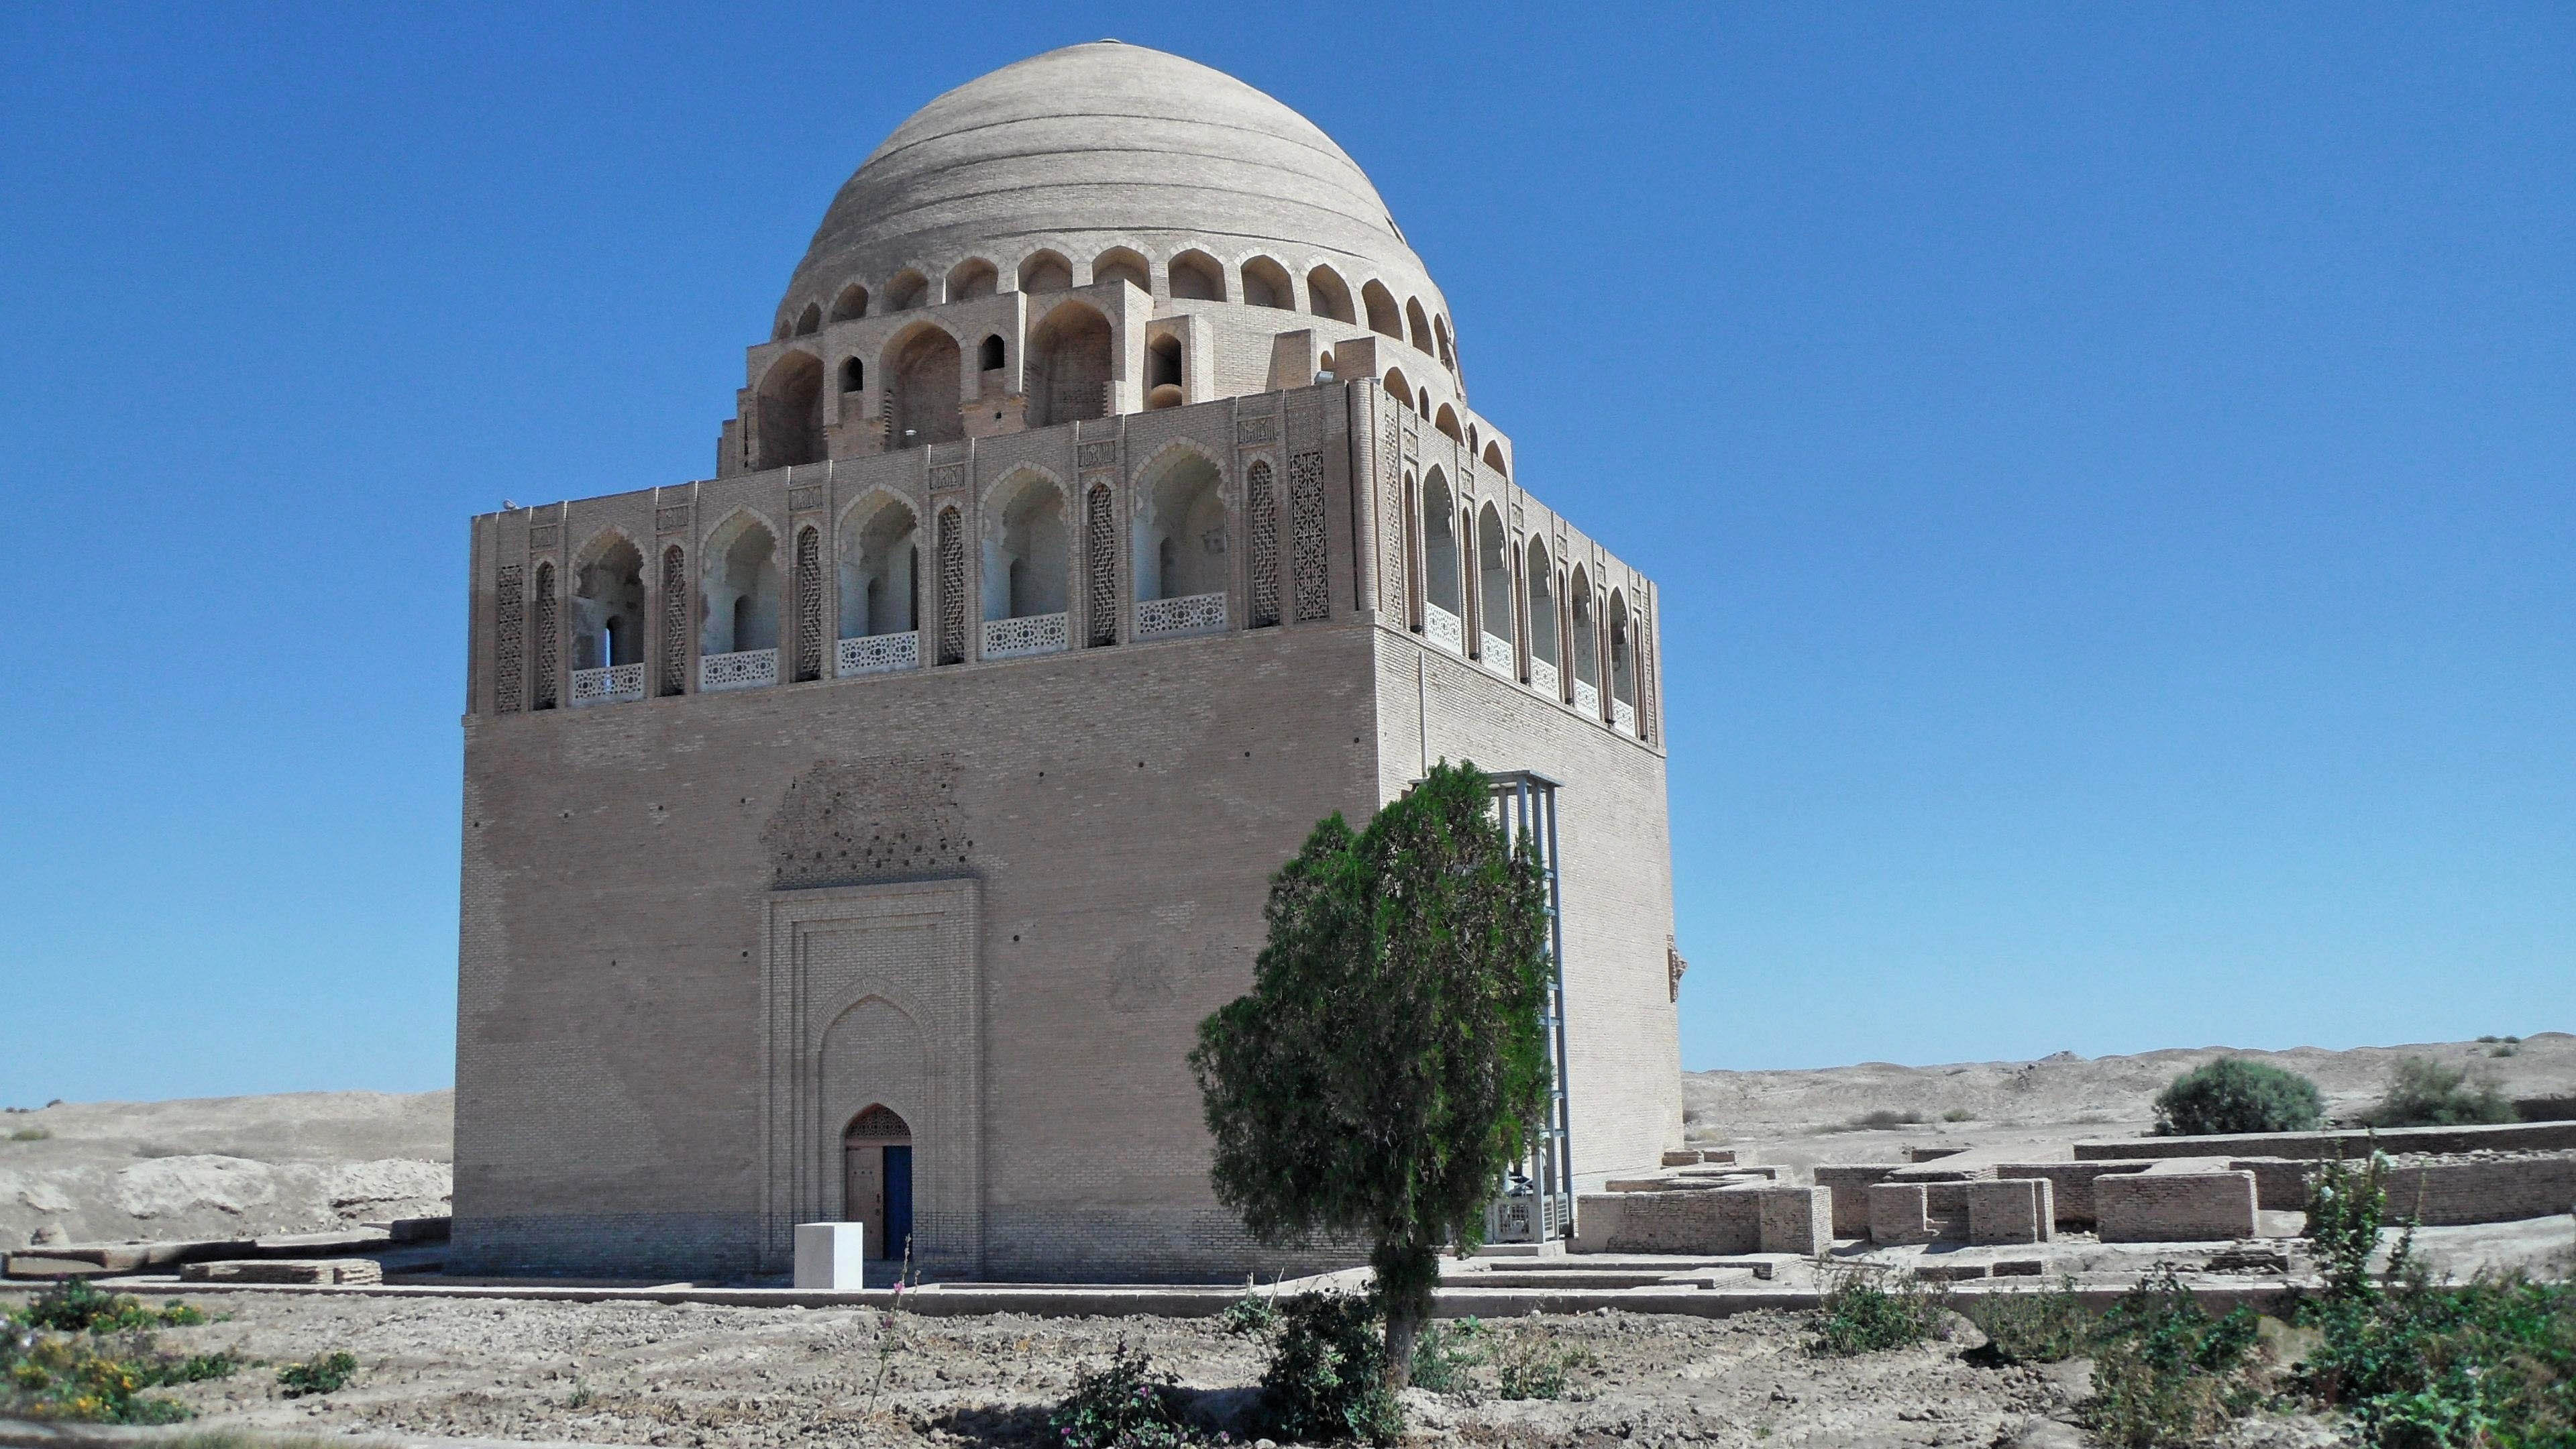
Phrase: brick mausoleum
{"type": "Point", "coordinates": [863, 833]}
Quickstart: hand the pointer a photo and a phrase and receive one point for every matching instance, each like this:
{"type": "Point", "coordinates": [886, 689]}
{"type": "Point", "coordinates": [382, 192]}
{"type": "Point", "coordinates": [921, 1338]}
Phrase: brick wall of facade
{"type": "Point", "coordinates": [1118, 810]}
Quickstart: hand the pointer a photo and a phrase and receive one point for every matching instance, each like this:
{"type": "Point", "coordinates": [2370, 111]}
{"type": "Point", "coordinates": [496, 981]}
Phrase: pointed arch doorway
{"type": "Point", "coordinates": [876, 1179]}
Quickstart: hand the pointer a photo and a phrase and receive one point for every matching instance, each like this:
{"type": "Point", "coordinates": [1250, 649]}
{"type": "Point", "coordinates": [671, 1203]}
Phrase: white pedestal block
{"type": "Point", "coordinates": [831, 1255]}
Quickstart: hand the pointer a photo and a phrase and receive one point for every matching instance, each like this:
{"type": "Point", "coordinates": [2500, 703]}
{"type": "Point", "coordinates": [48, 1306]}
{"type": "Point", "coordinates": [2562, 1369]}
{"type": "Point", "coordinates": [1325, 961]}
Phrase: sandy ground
{"type": "Point", "coordinates": [223, 1166]}
{"type": "Point", "coordinates": [1798, 1119]}
{"type": "Point", "coordinates": [715, 1376]}
{"type": "Point", "coordinates": [689, 1375]}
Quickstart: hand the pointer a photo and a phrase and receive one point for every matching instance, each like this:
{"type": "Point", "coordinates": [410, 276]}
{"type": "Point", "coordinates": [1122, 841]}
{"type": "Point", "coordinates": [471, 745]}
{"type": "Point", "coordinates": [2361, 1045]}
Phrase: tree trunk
{"type": "Point", "coordinates": [1405, 1277]}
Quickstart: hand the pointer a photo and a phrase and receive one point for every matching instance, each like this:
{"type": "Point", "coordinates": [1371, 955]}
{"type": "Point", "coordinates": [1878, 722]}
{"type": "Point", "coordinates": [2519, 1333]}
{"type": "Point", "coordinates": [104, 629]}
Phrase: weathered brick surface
{"type": "Point", "coordinates": [1899, 1214]}
{"type": "Point", "coordinates": [1743, 1219]}
{"type": "Point", "coordinates": [2491, 1190]}
{"type": "Point", "coordinates": [1849, 1186]}
{"type": "Point", "coordinates": [2506, 1137]}
{"type": "Point", "coordinates": [2175, 1207]}
{"type": "Point", "coordinates": [2070, 1184]}
{"type": "Point", "coordinates": [2010, 1211]}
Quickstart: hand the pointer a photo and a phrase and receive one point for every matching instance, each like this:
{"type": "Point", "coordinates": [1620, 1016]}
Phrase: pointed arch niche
{"type": "Point", "coordinates": [879, 571]}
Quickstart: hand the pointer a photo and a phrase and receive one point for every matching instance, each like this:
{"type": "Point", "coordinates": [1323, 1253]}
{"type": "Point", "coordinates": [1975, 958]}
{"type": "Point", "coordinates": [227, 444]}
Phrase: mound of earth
{"type": "Point", "coordinates": [223, 1166]}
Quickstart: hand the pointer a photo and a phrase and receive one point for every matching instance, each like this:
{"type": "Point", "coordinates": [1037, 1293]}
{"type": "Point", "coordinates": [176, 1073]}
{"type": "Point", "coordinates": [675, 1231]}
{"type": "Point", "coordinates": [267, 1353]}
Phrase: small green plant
{"type": "Point", "coordinates": [2347, 1208]}
{"type": "Point", "coordinates": [1958, 1114]}
{"type": "Point", "coordinates": [76, 1306]}
{"type": "Point", "coordinates": [579, 1398]}
{"type": "Point", "coordinates": [2165, 1372]}
{"type": "Point", "coordinates": [1859, 1315]}
{"type": "Point", "coordinates": [2043, 1326]}
{"type": "Point", "coordinates": [1253, 1315]}
{"type": "Point", "coordinates": [1531, 1364]}
{"type": "Point", "coordinates": [1445, 1354]}
{"type": "Point", "coordinates": [2504, 1049]}
{"type": "Point", "coordinates": [2232, 1094]}
{"type": "Point", "coordinates": [2424, 1093]}
{"type": "Point", "coordinates": [29, 1134]}
{"type": "Point", "coordinates": [1122, 1404]}
{"type": "Point", "coordinates": [1327, 1373]}
{"type": "Point", "coordinates": [91, 1361]}
{"type": "Point", "coordinates": [322, 1374]}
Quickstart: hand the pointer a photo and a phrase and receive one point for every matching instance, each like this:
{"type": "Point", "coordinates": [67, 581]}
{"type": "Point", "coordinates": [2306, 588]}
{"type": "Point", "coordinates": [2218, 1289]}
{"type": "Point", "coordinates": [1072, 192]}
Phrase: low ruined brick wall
{"type": "Point", "coordinates": [1849, 1184]}
{"type": "Point", "coordinates": [2070, 1183]}
{"type": "Point", "coordinates": [2175, 1207]}
{"type": "Point", "coordinates": [2011, 1210]}
{"type": "Point", "coordinates": [1749, 1218]}
{"type": "Point", "coordinates": [1899, 1214]}
{"type": "Point", "coordinates": [2490, 1190]}
{"type": "Point", "coordinates": [1796, 1219]}
{"type": "Point", "coordinates": [2310, 1146]}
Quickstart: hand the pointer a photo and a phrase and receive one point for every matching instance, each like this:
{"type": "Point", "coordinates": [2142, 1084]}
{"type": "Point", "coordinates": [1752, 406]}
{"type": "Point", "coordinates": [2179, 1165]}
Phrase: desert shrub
{"type": "Point", "coordinates": [1250, 1316]}
{"type": "Point", "coordinates": [2031, 1327]}
{"type": "Point", "coordinates": [87, 1375]}
{"type": "Point", "coordinates": [1858, 1315]}
{"type": "Point", "coordinates": [2235, 1095]}
{"type": "Point", "coordinates": [326, 1373]}
{"type": "Point", "coordinates": [1122, 1404]}
{"type": "Point", "coordinates": [1531, 1364]}
{"type": "Point", "coordinates": [29, 1134]}
{"type": "Point", "coordinates": [1445, 1353]}
{"type": "Point", "coordinates": [1327, 1372]}
{"type": "Point", "coordinates": [76, 1306]}
{"type": "Point", "coordinates": [2164, 1371]}
{"type": "Point", "coordinates": [2424, 1366]}
{"type": "Point", "coordinates": [2424, 1093]}
{"type": "Point", "coordinates": [1958, 1114]}
{"type": "Point", "coordinates": [1876, 1120]}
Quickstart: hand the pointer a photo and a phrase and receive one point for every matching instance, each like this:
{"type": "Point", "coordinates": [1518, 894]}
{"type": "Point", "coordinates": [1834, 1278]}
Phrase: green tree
{"type": "Point", "coordinates": [2235, 1095]}
{"type": "Point", "coordinates": [1389, 1064]}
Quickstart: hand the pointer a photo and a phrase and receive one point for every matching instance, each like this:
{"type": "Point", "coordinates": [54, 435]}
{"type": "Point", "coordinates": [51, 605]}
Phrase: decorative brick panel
{"type": "Point", "coordinates": [510, 616]}
{"type": "Point", "coordinates": [1262, 505]}
{"type": "Point", "coordinates": [1307, 545]}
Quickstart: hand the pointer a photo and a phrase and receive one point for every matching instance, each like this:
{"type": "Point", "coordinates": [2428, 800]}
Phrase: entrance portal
{"type": "Point", "coordinates": [876, 1158]}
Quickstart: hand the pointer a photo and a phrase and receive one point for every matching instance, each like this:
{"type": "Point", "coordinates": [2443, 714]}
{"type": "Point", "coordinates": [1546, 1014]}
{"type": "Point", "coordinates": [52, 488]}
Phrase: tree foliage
{"type": "Point", "coordinates": [1389, 1063]}
{"type": "Point", "coordinates": [2235, 1095]}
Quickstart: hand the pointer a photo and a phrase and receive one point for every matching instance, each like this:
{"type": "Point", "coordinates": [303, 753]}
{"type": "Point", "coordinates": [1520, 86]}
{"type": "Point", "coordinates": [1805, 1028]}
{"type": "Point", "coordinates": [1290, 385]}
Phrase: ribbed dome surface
{"type": "Point", "coordinates": [1091, 146]}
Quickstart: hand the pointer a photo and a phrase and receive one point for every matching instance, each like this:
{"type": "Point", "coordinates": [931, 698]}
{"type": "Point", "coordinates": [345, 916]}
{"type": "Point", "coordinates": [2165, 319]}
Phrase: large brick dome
{"type": "Point", "coordinates": [1102, 145]}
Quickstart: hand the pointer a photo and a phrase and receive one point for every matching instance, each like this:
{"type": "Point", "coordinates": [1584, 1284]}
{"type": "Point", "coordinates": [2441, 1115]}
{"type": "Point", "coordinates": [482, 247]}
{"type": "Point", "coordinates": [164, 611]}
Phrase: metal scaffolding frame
{"type": "Point", "coordinates": [1535, 1202]}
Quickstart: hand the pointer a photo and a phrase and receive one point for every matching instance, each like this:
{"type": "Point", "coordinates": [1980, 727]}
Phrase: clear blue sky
{"type": "Point", "coordinates": [2112, 471]}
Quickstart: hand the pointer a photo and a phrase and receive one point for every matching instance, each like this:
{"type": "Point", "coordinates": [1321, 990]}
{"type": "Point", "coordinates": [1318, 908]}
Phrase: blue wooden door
{"type": "Point", "coordinates": [898, 1200]}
